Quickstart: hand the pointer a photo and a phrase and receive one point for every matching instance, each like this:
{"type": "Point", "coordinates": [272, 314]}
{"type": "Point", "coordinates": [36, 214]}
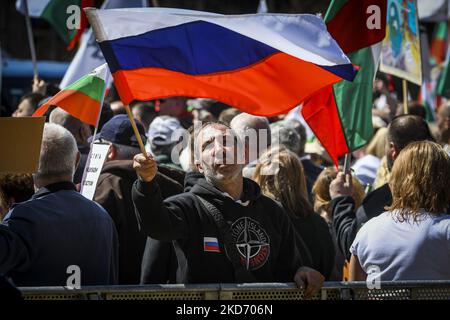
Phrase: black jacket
{"type": "Point", "coordinates": [262, 231]}
{"type": "Point", "coordinates": [191, 179]}
{"type": "Point", "coordinates": [314, 231]}
{"type": "Point", "coordinates": [40, 238]}
{"type": "Point", "coordinates": [174, 174]}
{"type": "Point", "coordinates": [311, 173]}
{"type": "Point", "coordinates": [113, 192]}
{"type": "Point", "coordinates": [346, 223]}
{"type": "Point", "coordinates": [159, 262]}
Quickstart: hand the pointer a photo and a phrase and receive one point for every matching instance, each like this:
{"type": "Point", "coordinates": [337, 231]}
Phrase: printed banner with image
{"type": "Point", "coordinates": [400, 53]}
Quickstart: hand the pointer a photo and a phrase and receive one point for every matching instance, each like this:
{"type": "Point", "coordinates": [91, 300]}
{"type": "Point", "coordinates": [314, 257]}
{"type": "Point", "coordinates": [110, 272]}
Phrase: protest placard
{"type": "Point", "coordinates": [20, 142]}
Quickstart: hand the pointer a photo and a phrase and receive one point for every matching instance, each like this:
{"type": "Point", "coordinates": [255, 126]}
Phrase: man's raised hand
{"type": "Point", "coordinates": [146, 167]}
{"type": "Point", "coordinates": [341, 185]}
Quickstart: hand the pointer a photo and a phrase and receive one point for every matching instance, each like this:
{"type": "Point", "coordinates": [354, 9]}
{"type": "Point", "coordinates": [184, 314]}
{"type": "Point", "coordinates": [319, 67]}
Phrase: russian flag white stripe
{"type": "Point", "coordinates": [209, 239]}
{"type": "Point", "coordinates": [303, 36]}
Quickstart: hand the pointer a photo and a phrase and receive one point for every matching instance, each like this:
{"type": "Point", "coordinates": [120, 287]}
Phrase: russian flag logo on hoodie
{"type": "Point", "coordinates": [210, 244]}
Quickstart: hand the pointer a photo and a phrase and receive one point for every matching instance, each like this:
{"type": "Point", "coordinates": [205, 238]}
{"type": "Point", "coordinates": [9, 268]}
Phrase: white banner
{"type": "Point", "coordinates": [93, 168]}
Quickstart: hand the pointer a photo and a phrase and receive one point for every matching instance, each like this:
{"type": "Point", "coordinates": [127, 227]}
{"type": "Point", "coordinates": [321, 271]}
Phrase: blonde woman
{"type": "Point", "coordinates": [288, 186]}
{"type": "Point", "coordinates": [410, 241]}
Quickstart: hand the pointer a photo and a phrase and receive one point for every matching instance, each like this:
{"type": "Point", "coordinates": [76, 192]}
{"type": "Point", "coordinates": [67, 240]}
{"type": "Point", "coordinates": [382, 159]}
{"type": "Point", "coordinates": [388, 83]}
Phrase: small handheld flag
{"type": "Point", "coordinates": [82, 99]}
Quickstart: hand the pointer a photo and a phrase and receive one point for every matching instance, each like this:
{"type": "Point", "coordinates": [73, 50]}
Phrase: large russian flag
{"type": "Point", "coordinates": [264, 64]}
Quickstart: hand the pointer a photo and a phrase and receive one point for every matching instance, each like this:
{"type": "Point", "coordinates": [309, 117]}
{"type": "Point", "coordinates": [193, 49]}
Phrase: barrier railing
{"type": "Point", "coordinates": [401, 290]}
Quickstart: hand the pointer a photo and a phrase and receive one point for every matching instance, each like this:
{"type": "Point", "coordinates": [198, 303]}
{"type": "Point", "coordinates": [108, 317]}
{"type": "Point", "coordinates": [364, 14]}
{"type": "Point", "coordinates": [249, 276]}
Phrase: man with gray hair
{"type": "Point", "coordinates": [256, 135]}
{"type": "Point", "coordinates": [44, 239]}
{"type": "Point", "coordinates": [80, 131]}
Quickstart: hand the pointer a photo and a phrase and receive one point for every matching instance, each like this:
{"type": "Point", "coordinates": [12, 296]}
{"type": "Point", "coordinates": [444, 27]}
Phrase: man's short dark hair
{"type": "Point", "coordinates": [407, 128]}
{"type": "Point", "coordinates": [418, 109]}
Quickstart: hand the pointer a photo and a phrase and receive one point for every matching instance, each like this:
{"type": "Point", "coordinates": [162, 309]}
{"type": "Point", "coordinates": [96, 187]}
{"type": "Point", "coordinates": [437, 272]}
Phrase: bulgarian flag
{"type": "Point", "coordinates": [55, 12]}
{"type": "Point", "coordinates": [340, 115]}
{"type": "Point", "coordinates": [83, 98]}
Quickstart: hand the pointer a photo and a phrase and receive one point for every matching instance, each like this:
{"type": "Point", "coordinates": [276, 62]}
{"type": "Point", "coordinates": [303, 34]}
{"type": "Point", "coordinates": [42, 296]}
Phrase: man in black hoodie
{"type": "Point", "coordinates": [253, 242]}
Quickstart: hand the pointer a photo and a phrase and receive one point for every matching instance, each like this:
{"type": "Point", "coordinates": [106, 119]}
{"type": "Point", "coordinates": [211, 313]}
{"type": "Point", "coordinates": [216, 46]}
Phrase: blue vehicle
{"type": "Point", "coordinates": [17, 76]}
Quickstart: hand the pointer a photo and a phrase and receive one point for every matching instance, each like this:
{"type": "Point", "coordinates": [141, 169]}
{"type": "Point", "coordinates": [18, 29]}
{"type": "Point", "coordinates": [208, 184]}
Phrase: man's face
{"type": "Point", "coordinates": [24, 109]}
{"type": "Point", "coordinates": [218, 151]}
{"type": "Point", "coordinates": [392, 153]}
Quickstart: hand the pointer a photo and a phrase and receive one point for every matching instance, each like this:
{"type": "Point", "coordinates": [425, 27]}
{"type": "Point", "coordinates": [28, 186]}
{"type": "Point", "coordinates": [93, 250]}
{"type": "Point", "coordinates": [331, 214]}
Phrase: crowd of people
{"type": "Point", "coordinates": [183, 212]}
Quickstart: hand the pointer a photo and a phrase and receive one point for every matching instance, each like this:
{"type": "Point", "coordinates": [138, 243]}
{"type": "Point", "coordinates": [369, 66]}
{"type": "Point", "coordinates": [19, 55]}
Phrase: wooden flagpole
{"type": "Point", "coordinates": [405, 96]}
{"type": "Point", "coordinates": [136, 131]}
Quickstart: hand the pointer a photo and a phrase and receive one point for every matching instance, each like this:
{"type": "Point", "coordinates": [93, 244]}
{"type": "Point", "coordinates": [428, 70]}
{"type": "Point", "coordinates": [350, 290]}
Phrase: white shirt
{"type": "Point", "coordinates": [405, 250]}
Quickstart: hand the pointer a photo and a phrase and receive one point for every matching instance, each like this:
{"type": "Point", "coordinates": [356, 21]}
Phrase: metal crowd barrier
{"type": "Point", "coordinates": [399, 290]}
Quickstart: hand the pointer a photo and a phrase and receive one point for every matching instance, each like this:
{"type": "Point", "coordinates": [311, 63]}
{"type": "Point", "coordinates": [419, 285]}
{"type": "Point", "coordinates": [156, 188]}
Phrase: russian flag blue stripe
{"type": "Point", "coordinates": [193, 48]}
{"type": "Point", "coordinates": [345, 71]}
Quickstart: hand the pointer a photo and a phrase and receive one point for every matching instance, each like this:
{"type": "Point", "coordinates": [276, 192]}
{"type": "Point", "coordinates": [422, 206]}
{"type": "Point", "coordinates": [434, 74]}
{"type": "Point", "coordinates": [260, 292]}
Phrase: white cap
{"type": "Point", "coordinates": [161, 129]}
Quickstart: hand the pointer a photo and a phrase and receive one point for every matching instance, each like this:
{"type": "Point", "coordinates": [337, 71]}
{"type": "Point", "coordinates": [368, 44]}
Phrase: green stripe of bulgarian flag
{"type": "Point", "coordinates": [89, 85]}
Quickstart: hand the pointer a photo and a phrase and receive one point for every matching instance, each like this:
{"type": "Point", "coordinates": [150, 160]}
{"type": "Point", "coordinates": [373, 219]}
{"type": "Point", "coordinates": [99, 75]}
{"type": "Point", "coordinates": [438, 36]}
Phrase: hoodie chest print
{"type": "Point", "coordinates": [252, 242]}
